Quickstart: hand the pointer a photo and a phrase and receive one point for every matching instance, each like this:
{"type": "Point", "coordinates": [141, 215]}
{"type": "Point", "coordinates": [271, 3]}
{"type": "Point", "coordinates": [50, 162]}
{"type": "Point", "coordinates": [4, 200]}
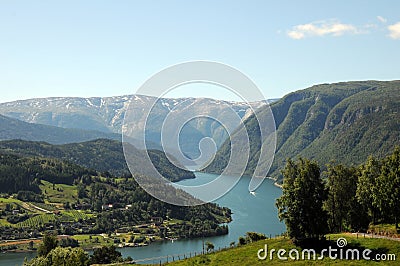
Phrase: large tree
{"type": "Point", "coordinates": [387, 193]}
{"type": "Point", "coordinates": [49, 243]}
{"type": "Point", "coordinates": [344, 211]}
{"type": "Point", "coordinates": [366, 186]}
{"type": "Point", "coordinates": [105, 255]}
{"type": "Point", "coordinates": [61, 256]}
{"type": "Point", "coordinates": [301, 203]}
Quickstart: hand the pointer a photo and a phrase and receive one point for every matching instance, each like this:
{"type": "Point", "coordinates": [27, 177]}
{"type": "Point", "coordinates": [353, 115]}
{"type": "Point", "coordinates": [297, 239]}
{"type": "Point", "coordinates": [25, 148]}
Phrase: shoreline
{"type": "Point", "coordinates": [92, 247]}
{"type": "Point", "coordinates": [278, 185]}
{"type": "Point", "coordinates": [276, 182]}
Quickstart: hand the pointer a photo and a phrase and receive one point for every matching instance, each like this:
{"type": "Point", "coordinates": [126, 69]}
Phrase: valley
{"type": "Point", "coordinates": [67, 199]}
{"type": "Point", "coordinates": [199, 133]}
{"type": "Point", "coordinates": [75, 183]}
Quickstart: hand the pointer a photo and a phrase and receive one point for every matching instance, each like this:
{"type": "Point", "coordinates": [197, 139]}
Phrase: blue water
{"type": "Point", "coordinates": [250, 213]}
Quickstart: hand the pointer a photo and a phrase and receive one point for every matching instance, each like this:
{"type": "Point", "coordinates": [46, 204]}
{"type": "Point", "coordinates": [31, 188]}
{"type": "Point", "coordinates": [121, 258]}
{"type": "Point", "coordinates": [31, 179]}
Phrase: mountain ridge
{"type": "Point", "coordinates": [102, 155]}
{"type": "Point", "coordinates": [11, 128]}
{"type": "Point", "coordinates": [106, 114]}
{"type": "Point", "coordinates": [343, 121]}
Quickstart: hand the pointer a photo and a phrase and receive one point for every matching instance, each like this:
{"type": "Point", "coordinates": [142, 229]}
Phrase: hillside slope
{"type": "Point", "coordinates": [247, 254]}
{"type": "Point", "coordinates": [344, 122]}
{"type": "Point", "coordinates": [101, 155]}
{"type": "Point", "coordinates": [11, 128]}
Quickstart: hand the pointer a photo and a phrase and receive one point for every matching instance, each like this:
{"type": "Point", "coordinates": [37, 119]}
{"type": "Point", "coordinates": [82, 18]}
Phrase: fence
{"type": "Point", "coordinates": [170, 258]}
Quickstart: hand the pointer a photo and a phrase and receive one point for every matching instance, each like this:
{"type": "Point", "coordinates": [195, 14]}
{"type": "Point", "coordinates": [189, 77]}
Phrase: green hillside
{"type": "Point", "coordinates": [247, 254]}
{"type": "Point", "coordinates": [41, 194]}
{"type": "Point", "coordinates": [344, 122]}
{"type": "Point", "coordinates": [103, 155]}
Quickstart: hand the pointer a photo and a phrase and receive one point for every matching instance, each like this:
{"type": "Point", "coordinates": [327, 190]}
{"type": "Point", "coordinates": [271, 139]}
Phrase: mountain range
{"type": "Point", "coordinates": [343, 122]}
{"type": "Point", "coordinates": [107, 114]}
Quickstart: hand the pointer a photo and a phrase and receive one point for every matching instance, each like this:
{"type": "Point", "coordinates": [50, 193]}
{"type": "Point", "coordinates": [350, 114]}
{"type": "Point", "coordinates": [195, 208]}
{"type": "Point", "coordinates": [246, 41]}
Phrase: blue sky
{"type": "Point", "coordinates": [106, 48]}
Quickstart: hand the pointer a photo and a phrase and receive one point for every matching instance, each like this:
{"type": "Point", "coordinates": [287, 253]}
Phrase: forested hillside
{"type": "Point", "coordinates": [345, 122]}
{"type": "Point", "coordinates": [39, 194]}
{"type": "Point", "coordinates": [102, 155]}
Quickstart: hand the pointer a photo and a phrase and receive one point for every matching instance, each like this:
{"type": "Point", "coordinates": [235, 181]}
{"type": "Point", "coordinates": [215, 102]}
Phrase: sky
{"type": "Point", "coordinates": [110, 48]}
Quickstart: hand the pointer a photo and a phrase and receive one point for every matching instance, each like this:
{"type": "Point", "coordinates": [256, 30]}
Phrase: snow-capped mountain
{"type": "Point", "coordinates": [107, 114]}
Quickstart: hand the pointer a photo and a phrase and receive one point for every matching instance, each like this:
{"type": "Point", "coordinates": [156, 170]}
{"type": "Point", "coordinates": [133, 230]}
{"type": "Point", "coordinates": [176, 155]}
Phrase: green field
{"type": "Point", "coordinates": [77, 215]}
{"type": "Point", "coordinates": [8, 200]}
{"type": "Point", "coordinates": [42, 217]}
{"type": "Point", "coordinates": [38, 220]}
{"type": "Point", "coordinates": [48, 207]}
{"type": "Point", "coordinates": [60, 194]}
{"type": "Point", "coordinates": [247, 254]}
{"type": "Point", "coordinates": [64, 216]}
{"type": "Point", "coordinates": [90, 241]}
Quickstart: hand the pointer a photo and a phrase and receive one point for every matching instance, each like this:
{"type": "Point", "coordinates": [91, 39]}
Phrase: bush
{"type": "Point", "coordinates": [69, 242]}
{"type": "Point", "coordinates": [61, 256]}
{"type": "Point", "coordinates": [242, 240]}
{"type": "Point", "coordinates": [253, 236]}
{"type": "Point", "coordinates": [106, 255]}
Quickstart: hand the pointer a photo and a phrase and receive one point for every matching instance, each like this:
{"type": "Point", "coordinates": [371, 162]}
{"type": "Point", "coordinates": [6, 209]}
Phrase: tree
{"type": "Point", "coordinates": [30, 245]}
{"type": "Point", "coordinates": [344, 211]}
{"type": "Point", "coordinates": [38, 261]}
{"type": "Point", "coordinates": [67, 205]}
{"type": "Point", "coordinates": [128, 259]}
{"type": "Point", "coordinates": [81, 191]}
{"type": "Point", "coordinates": [105, 255]}
{"type": "Point", "coordinates": [61, 256]}
{"type": "Point", "coordinates": [387, 192]}
{"type": "Point", "coordinates": [209, 246]}
{"type": "Point", "coordinates": [253, 236]}
{"type": "Point", "coordinates": [242, 241]}
{"type": "Point", "coordinates": [366, 186]}
{"type": "Point", "coordinates": [69, 256]}
{"type": "Point", "coordinates": [69, 242]}
{"type": "Point", "coordinates": [300, 205]}
{"type": "Point", "coordinates": [49, 243]}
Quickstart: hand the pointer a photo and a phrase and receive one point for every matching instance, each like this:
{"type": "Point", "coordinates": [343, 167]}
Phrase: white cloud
{"type": "Point", "coordinates": [297, 35]}
{"type": "Point", "coordinates": [394, 31]}
{"type": "Point", "coordinates": [381, 19]}
{"type": "Point", "coordinates": [321, 28]}
{"type": "Point", "coordinates": [370, 26]}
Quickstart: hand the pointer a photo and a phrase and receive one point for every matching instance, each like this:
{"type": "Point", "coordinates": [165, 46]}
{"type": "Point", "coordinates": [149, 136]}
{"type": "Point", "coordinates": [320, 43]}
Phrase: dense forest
{"type": "Point", "coordinates": [103, 155]}
{"type": "Point", "coordinates": [24, 174]}
{"type": "Point", "coordinates": [347, 198]}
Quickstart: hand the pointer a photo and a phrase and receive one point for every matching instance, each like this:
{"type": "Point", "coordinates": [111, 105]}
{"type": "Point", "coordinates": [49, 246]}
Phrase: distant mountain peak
{"type": "Point", "coordinates": [106, 114]}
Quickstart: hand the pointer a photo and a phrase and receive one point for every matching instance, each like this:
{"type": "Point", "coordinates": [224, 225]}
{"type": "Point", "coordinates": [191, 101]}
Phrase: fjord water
{"type": "Point", "coordinates": [255, 213]}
